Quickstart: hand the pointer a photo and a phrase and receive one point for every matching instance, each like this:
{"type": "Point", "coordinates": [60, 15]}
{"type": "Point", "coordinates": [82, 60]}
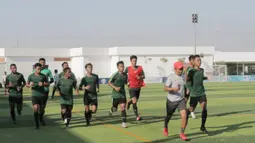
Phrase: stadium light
{"type": "Point", "coordinates": [194, 21]}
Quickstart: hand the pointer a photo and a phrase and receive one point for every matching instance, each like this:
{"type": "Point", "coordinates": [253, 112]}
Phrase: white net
{"type": "Point", "coordinates": [219, 73]}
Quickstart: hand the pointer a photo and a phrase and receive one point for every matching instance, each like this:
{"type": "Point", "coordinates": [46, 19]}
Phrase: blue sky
{"type": "Point", "coordinates": [226, 24]}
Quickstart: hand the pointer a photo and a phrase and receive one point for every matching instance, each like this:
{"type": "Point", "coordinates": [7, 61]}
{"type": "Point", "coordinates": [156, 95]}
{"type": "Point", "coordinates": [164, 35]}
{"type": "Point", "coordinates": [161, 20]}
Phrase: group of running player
{"type": "Point", "coordinates": [41, 78]}
{"type": "Point", "coordinates": [183, 85]}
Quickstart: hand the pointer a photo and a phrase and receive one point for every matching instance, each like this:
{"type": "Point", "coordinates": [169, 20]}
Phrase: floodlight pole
{"type": "Point", "coordinates": [195, 21]}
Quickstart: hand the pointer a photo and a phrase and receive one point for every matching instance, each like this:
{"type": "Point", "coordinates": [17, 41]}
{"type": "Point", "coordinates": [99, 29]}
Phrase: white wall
{"type": "Point", "coordinates": [234, 56]}
{"type": "Point", "coordinates": [101, 64]}
{"type": "Point", "coordinates": [77, 66]}
{"type": "Point", "coordinates": [25, 64]}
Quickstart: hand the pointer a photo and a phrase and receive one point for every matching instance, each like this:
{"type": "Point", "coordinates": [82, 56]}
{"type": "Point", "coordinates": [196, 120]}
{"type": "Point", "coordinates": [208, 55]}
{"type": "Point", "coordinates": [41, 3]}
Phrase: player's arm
{"type": "Point", "coordinates": [51, 77]}
{"type": "Point", "coordinates": [111, 81]}
{"type": "Point", "coordinates": [82, 84]}
{"type": "Point", "coordinates": [168, 85]}
{"type": "Point", "coordinates": [142, 76]}
{"type": "Point", "coordinates": [45, 81]}
{"type": "Point", "coordinates": [28, 82]}
{"type": "Point", "coordinates": [23, 81]}
{"type": "Point", "coordinates": [75, 87]}
{"type": "Point", "coordinates": [97, 83]}
{"type": "Point", "coordinates": [58, 85]}
{"type": "Point", "coordinates": [7, 83]}
{"type": "Point", "coordinates": [74, 77]}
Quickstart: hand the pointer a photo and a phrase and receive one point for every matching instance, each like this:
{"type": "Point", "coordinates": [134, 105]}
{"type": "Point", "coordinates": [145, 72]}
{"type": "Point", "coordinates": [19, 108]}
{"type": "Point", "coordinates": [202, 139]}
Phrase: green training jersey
{"type": "Point", "coordinates": [18, 81]}
{"type": "Point", "coordinates": [48, 74]}
{"type": "Point", "coordinates": [93, 82]}
{"type": "Point", "coordinates": [72, 76]}
{"type": "Point", "coordinates": [197, 82]}
{"type": "Point", "coordinates": [36, 89]}
{"type": "Point", "coordinates": [119, 80]}
{"type": "Point", "coordinates": [65, 86]}
{"type": "Point", "coordinates": [187, 81]}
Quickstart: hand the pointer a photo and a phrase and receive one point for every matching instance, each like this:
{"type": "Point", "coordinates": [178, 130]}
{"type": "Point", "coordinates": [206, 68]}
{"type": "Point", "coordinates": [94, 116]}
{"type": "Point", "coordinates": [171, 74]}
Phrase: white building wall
{"type": "Point", "coordinates": [234, 56]}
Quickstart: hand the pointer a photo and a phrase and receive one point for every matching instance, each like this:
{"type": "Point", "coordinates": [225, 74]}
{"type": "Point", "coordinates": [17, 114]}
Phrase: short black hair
{"type": "Point", "coordinates": [191, 57]}
{"type": "Point", "coordinates": [133, 57]}
{"type": "Point", "coordinates": [13, 65]}
{"type": "Point", "coordinates": [64, 63]}
{"type": "Point", "coordinates": [66, 69]}
{"type": "Point", "coordinates": [38, 65]}
{"type": "Point", "coordinates": [196, 56]}
{"type": "Point", "coordinates": [88, 64]}
{"type": "Point", "coordinates": [120, 62]}
{"type": "Point", "coordinates": [55, 71]}
{"type": "Point", "coordinates": [41, 59]}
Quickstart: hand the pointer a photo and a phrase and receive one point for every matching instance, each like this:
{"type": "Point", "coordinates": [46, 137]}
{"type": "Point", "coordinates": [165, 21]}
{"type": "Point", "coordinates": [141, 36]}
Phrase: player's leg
{"type": "Point", "coordinates": [64, 112]}
{"type": "Point", "coordinates": [114, 107]}
{"type": "Point", "coordinates": [203, 104]}
{"type": "Point", "coordinates": [193, 103]}
{"type": "Point", "coordinates": [170, 109]}
{"type": "Point", "coordinates": [19, 105]}
{"type": "Point", "coordinates": [93, 108]}
{"type": "Point", "coordinates": [69, 114]}
{"type": "Point", "coordinates": [129, 102]}
{"type": "Point", "coordinates": [53, 92]}
{"type": "Point", "coordinates": [122, 103]}
{"type": "Point", "coordinates": [86, 112]}
{"type": "Point", "coordinates": [12, 107]}
{"type": "Point", "coordinates": [182, 108]}
{"type": "Point", "coordinates": [42, 109]}
{"type": "Point", "coordinates": [36, 106]}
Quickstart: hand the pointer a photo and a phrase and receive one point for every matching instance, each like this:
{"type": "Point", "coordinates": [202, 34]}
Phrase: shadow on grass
{"type": "Point", "coordinates": [24, 130]}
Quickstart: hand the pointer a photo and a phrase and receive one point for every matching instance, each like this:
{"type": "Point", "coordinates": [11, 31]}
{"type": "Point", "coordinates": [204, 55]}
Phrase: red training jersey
{"type": "Point", "coordinates": [132, 76]}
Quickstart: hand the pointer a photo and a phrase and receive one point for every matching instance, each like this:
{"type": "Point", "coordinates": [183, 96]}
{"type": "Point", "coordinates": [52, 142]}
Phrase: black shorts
{"type": "Point", "coordinates": [15, 100]}
{"type": "Point", "coordinates": [38, 100]}
{"type": "Point", "coordinates": [117, 101]}
{"type": "Point", "coordinates": [172, 106]}
{"type": "Point", "coordinates": [134, 92]}
{"type": "Point", "coordinates": [46, 96]}
{"type": "Point", "coordinates": [88, 101]}
{"type": "Point", "coordinates": [66, 106]}
{"type": "Point", "coordinates": [194, 100]}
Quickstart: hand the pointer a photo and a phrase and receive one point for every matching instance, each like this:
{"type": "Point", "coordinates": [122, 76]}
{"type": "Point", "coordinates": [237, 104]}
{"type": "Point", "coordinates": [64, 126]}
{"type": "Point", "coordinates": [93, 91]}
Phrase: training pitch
{"type": "Point", "coordinates": [231, 119]}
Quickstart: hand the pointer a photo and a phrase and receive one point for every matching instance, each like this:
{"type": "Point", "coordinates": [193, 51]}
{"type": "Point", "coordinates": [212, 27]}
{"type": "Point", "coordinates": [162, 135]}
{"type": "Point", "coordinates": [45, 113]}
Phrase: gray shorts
{"type": "Point", "coordinates": [172, 106]}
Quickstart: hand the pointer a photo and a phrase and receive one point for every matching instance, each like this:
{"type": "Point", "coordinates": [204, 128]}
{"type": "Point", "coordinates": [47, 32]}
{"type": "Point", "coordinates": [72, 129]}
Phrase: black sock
{"type": "Point", "coordinates": [41, 115]}
{"type": "Point", "coordinates": [204, 117]}
{"type": "Point", "coordinates": [13, 115]}
{"type": "Point", "coordinates": [36, 118]}
{"type": "Point", "coordinates": [167, 119]}
{"type": "Point", "coordinates": [65, 115]}
{"type": "Point", "coordinates": [62, 116]}
{"type": "Point", "coordinates": [19, 109]}
{"type": "Point", "coordinates": [87, 116]}
{"type": "Point", "coordinates": [69, 116]}
{"type": "Point", "coordinates": [124, 116]}
{"type": "Point", "coordinates": [187, 116]}
{"type": "Point", "coordinates": [182, 130]}
{"type": "Point", "coordinates": [135, 109]}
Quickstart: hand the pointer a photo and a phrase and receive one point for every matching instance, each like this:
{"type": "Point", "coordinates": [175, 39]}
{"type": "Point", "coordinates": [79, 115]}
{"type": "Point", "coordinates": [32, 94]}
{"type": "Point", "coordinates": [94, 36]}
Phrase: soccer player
{"type": "Point", "coordinates": [135, 82]}
{"type": "Point", "coordinates": [15, 82]}
{"type": "Point", "coordinates": [117, 82]}
{"type": "Point", "coordinates": [4, 81]}
{"type": "Point", "coordinates": [175, 98]}
{"type": "Point", "coordinates": [47, 72]}
{"type": "Point", "coordinates": [197, 92]}
{"type": "Point", "coordinates": [37, 82]}
{"type": "Point", "coordinates": [56, 78]}
{"type": "Point", "coordinates": [90, 83]}
{"type": "Point", "coordinates": [188, 82]}
{"type": "Point", "coordinates": [65, 87]}
{"type": "Point", "coordinates": [65, 65]}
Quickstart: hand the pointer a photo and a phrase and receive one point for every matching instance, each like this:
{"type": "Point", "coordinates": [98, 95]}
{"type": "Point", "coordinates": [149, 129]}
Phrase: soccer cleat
{"type": "Point", "coordinates": [19, 113]}
{"type": "Point", "coordinates": [183, 137]}
{"type": "Point", "coordinates": [65, 120]}
{"type": "Point", "coordinates": [90, 117]}
{"type": "Point", "coordinates": [37, 127]}
{"type": "Point", "coordinates": [14, 122]}
{"type": "Point", "coordinates": [193, 115]}
{"type": "Point", "coordinates": [110, 113]}
{"type": "Point", "coordinates": [124, 125]}
{"type": "Point", "coordinates": [43, 123]}
{"type": "Point", "coordinates": [203, 129]}
{"type": "Point", "coordinates": [138, 118]}
{"type": "Point", "coordinates": [165, 131]}
{"type": "Point", "coordinates": [87, 124]}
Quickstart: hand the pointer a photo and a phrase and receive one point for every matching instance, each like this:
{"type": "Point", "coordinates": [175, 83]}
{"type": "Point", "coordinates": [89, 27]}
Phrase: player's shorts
{"type": "Point", "coordinates": [15, 100]}
{"type": "Point", "coordinates": [38, 100]}
{"type": "Point", "coordinates": [46, 96]}
{"type": "Point", "coordinates": [194, 100]}
{"type": "Point", "coordinates": [88, 101]}
{"type": "Point", "coordinates": [66, 106]}
{"type": "Point", "coordinates": [117, 101]}
{"type": "Point", "coordinates": [134, 92]}
{"type": "Point", "coordinates": [172, 106]}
